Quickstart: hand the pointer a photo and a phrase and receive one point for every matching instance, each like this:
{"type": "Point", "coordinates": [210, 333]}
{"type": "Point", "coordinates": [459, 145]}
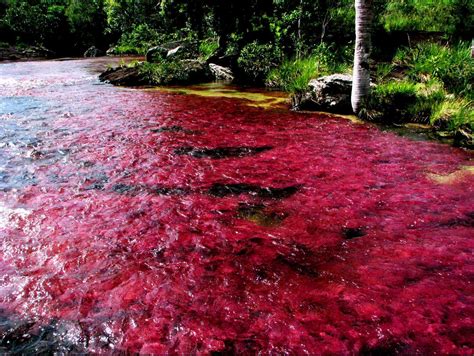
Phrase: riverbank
{"type": "Point", "coordinates": [420, 87]}
{"type": "Point", "coordinates": [12, 53]}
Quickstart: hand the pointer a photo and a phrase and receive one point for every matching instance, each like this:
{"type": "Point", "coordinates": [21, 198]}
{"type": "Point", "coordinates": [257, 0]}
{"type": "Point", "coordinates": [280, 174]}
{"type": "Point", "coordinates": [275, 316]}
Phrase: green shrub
{"type": "Point", "coordinates": [256, 61]}
{"type": "Point", "coordinates": [138, 41]}
{"type": "Point", "coordinates": [454, 66]}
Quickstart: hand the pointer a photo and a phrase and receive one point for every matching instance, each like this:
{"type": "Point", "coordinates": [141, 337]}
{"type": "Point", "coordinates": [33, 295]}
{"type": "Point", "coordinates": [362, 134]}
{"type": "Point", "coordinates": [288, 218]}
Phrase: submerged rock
{"type": "Point", "coordinates": [331, 93]}
{"type": "Point", "coordinates": [222, 152]}
{"type": "Point", "coordinates": [222, 190]}
{"type": "Point", "coordinates": [350, 233]}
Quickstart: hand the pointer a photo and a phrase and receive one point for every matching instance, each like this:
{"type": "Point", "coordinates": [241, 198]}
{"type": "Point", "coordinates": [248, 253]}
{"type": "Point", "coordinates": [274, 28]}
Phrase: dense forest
{"type": "Point", "coordinates": [421, 48]}
{"type": "Point", "coordinates": [293, 27]}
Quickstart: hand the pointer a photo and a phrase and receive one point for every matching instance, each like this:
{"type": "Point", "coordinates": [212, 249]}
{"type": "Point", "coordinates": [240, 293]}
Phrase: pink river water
{"type": "Point", "coordinates": [154, 222]}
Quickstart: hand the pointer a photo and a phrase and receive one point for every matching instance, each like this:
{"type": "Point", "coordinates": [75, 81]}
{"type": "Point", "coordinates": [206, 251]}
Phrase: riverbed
{"type": "Point", "coordinates": [213, 219]}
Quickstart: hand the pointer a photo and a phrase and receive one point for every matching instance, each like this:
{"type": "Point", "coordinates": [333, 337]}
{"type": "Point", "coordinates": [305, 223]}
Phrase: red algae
{"type": "Point", "coordinates": [333, 239]}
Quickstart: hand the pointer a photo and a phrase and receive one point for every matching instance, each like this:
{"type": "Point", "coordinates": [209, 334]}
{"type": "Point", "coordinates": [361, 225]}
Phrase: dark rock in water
{"type": "Point", "coordinates": [93, 51]}
{"type": "Point", "coordinates": [299, 258]}
{"type": "Point", "coordinates": [168, 191]}
{"type": "Point", "coordinates": [331, 93]}
{"type": "Point", "coordinates": [222, 190]}
{"type": "Point", "coordinates": [127, 189]}
{"type": "Point", "coordinates": [223, 152]}
{"type": "Point", "coordinates": [350, 233]}
{"type": "Point", "coordinates": [130, 76]}
{"type": "Point", "coordinates": [172, 129]}
{"type": "Point", "coordinates": [259, 214]}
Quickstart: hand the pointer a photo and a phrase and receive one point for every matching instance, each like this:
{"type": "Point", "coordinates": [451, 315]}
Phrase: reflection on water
{"type": "Point", "coordinates": [186, 221]}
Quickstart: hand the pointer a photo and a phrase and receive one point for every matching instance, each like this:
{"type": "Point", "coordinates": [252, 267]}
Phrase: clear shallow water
{"type": "Point", "coordinates": [151, 221]}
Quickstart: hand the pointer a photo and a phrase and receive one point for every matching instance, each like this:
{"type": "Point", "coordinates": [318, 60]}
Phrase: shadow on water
{"type": "Point", "coordinates": [223, 152]}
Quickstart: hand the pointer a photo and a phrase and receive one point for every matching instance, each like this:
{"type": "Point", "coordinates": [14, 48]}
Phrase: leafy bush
{"type": "Point", "coordinates": [138, 41]}
{"type": "Point", "coordinates": [256, 60]}
{"type": "Point", "coordinates": [454, 66]}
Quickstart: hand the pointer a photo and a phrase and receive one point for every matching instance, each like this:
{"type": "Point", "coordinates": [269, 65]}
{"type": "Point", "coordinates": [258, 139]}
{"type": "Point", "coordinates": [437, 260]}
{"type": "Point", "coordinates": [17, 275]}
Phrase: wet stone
{"type": "Point", "coordinates": [127, 189]}
{"type": "Point", "coordinates": [350, 233]}
{"type": "Point", "coordinates": [223, 152]}
{"type": "Point", "coordinates": [223, 190]}
{"type": "Point", "coordinates": [299, 264]}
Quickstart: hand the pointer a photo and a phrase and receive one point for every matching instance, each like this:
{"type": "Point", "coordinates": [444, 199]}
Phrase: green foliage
{"type": "Point", "coordinates": [257, 60]}
{"type": "Point", "coordinates": [452, 114]}
{"type": "Point", "coordinates": [208, 47]}
{"type": "Point", "coordinates": [453, 17]}
{"type": "Point", "coordinates": [407, 101]}
{"type": "Point", "coordinates": [138, 41]}
{"type": "Point", "coordinates": [172, 72]}
{"type": "Point", "coordinates": [294, 75]}
{"type": "Point", "coordinates": [59, 25]}
{"type": "Point", "coordinates": [453, 66]}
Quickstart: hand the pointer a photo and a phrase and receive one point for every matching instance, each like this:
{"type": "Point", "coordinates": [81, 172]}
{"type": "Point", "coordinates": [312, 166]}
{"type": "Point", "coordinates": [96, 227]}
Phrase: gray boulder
{"type": "Point", "coordinates": [221, 73]}
{"type": "Point", "coordinates": [331, 93]}
{"type": "Point", "coordinates": [110, 52]}
{"type": "Point", "coordinates": [93, 51]}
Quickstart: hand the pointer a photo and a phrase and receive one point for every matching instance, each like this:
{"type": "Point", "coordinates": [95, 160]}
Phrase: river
{"type": "Point", "coordinates": [215, 220]}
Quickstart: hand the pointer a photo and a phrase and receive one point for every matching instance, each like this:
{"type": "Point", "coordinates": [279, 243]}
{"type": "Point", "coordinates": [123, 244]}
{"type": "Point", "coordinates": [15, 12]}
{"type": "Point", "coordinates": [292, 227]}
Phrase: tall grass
{"type": "Point", "coordinates": [207, 48]}
{"type": "Point", "coordinates": [453, 66]}
{"type": "Point", "coordinates": [293, 75]}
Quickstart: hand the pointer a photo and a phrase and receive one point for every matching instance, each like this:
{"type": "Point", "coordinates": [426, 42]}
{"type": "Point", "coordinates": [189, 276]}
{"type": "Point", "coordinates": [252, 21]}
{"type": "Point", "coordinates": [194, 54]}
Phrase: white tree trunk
{"type": "Point", "coordinates": [361, 72]}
